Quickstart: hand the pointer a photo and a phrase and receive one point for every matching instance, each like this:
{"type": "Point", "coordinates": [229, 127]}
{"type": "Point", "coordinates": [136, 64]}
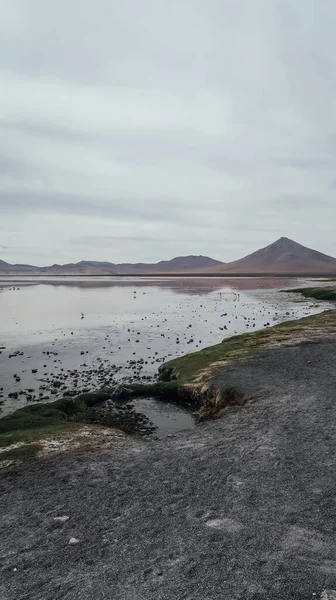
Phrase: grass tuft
{"type": "Point", "coordinates": [319, 293]}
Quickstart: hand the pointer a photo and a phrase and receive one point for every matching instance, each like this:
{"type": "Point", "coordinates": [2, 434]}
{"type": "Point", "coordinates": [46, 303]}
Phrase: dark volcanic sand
{"type": "Point", "coordinates": [243, 508]}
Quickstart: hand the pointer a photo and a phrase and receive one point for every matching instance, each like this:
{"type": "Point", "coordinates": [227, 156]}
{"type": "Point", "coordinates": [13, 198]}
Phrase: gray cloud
{"type": "Point", "coordinates": [148, 130]}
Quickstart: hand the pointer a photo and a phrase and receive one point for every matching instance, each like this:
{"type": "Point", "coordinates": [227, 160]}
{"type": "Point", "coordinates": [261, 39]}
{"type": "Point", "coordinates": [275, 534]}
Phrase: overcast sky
{"type": "Point", "coordinates": [146, 129]}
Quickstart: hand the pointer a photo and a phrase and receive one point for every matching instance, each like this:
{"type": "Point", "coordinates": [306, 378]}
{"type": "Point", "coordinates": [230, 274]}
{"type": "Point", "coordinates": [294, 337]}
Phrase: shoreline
{"type": "Point", "coordinates": [193, 381]}
{"type": "Point", "coordinates": [50, 352]}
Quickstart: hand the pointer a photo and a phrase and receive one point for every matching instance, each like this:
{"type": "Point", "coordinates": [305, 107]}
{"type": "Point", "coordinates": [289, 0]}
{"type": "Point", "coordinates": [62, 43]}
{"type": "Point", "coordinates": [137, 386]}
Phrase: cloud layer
{"type": "Point", "coordinates": [143, 130]}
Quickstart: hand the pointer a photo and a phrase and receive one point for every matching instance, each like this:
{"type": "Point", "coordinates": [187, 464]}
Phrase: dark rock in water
{"type": "Point", "coordinates": [13, 395]}
{"type": "Point", "coordinates": [121, 392]}
{"type": "Point", "coordinates": [34, 370]}
{"type": "Point", "coordinates": [57, 384]}
{"type": "Point", "coordinates": [121, 416]}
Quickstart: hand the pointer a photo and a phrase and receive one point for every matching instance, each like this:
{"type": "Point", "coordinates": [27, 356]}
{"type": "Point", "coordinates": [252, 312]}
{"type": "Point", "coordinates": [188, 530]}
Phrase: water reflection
{"type": "Point", "coordinates": [179, 285]}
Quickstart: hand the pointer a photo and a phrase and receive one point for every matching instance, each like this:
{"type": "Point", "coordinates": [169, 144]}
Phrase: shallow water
{"type": "Point", "coordinates": [167, 418]}
{"type": "Point", "coordinates": [83, 333]}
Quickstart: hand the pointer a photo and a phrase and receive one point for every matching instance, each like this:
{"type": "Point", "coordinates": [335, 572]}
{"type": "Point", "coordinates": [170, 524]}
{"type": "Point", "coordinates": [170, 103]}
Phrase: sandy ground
{"type": "Point", "coordinates": [239, 508]}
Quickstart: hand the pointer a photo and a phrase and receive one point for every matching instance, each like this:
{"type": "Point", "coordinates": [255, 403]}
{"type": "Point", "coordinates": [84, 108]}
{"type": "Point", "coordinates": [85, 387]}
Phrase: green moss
{"type": "Point", "coordinates": [160, 389]}
{"type": "Point", "coordinates": [30, 422]}
{"type": "Point", "coordinates": [319, 293]}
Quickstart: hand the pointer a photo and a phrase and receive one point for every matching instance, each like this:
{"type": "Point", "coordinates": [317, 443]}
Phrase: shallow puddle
{"type": "Point", "coordinates": [167, 418]}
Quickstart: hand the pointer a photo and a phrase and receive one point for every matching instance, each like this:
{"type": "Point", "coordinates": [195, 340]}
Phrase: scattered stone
{"type": "Point", "coordinates": [73, 541]}
{"type": "Point", "coordinates": [62, 519]}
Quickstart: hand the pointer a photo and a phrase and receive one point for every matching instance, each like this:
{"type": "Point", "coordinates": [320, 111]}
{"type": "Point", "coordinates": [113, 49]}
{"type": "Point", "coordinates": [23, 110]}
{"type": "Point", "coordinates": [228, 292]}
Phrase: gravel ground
{"type": "Point", "coordinates": [239, 508]}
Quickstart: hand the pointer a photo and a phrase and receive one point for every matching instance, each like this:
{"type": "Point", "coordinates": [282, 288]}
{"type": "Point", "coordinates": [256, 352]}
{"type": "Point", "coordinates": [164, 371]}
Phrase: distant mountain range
{"type": "Point", "coordinates": [283, 257]}
{"type": "Point", "coordinates": [181, 264]}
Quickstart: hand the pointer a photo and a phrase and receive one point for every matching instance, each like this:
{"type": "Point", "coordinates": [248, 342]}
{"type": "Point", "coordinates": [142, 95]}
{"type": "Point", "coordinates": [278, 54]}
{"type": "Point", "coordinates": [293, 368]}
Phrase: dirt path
{"type": "Point", "coordinates": [239, 508]}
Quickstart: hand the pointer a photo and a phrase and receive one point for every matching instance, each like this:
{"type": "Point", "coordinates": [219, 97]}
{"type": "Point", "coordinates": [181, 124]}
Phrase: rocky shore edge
{"type": "Point", "coordinates": [90, 420]}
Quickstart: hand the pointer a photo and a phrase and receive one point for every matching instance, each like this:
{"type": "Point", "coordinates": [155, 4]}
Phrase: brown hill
{"type": "Point", "coordinates": [282, 257]}
{"type": "Point", "coordinates": [180, 264]}
{"type": "Point", "coordinates": [8, 269]}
